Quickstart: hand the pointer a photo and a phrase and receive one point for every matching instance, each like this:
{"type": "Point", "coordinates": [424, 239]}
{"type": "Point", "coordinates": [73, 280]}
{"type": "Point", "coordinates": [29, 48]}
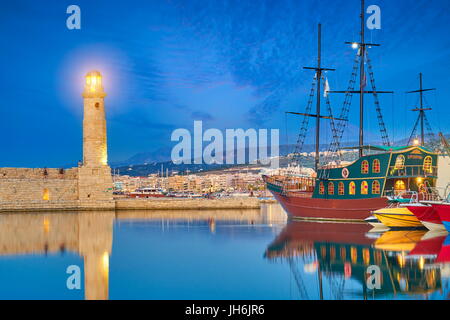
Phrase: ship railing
{"type": "Point", "coordinates": [402, 196]}
{"type": "Point", "coordinates": [414, 171]}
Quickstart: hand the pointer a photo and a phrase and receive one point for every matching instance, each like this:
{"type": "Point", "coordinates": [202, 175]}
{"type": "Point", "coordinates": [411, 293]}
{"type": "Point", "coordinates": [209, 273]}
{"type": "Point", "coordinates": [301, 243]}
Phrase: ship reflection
{"type": "Point", "coordinates": [412, 264]}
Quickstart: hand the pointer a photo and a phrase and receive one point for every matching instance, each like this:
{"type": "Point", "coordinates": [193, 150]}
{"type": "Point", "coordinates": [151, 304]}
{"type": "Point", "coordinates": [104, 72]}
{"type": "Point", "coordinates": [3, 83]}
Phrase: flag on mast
{"type": "Point", "coordinates": [327, 88]}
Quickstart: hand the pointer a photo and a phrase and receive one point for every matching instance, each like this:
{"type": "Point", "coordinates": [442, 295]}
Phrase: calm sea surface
{"type": "Point", "coordinates": [247, 254]}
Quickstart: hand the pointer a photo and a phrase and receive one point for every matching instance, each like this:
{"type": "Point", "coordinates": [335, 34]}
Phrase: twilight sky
{"type": "Point", "coordinates": [232, 64]}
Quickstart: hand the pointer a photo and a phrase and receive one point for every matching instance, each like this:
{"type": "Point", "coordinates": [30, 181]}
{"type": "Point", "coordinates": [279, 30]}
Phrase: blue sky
{"type": "Point", "coordinates": [232, 64]}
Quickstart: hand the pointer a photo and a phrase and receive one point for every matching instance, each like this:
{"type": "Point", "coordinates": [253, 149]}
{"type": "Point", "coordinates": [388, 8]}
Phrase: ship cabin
{"type": "Point", "coordinates": [383, 171]}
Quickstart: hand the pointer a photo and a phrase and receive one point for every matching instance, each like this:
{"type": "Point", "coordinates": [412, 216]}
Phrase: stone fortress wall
{"type": "Point", "coordinates": [30, 184]}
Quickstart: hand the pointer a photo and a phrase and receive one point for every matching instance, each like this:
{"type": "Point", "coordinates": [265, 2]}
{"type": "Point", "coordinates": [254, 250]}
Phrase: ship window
{"type": "Point", "coordinates": [45, 195]}
{"type": "Point", "coordinates": [376, 167]}
{"type": "Point", "coordinates": [400, 185]}
{"type": "Point", "coordinates": [364, 187]}
{"type": "Point", "coordinates": [341, 189]}
{"type": "Point", "coordinates": [376, 189]}
{"type": "Point", "coordinates": [400, 162]}
{"type": "Point", "coordinates": [352, 188]}
{"type": "Point", "coordinates": [428, 165]}
{"type": "Point", "coordinates": [321, 188]}
{"type": "Point", "coordinates": [365, 167]}
{"type": "Point", "coordinates": [331, 188]}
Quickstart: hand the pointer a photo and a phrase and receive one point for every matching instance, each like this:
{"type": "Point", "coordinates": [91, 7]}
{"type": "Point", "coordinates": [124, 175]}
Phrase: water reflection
{"type": "Point", "coordinates": [215, 255]}
{"type": "Point", "coordinates": [89, 236]}
{"type": "Point", "coordinates": [413, 264]}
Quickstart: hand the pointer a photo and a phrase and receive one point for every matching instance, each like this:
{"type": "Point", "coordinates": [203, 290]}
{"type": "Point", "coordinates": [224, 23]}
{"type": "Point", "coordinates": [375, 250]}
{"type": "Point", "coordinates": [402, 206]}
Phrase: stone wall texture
{"type": "Point", "coordinates": [29, 184]}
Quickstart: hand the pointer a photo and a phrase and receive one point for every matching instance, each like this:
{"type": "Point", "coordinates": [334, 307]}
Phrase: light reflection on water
{"type": "Point", "coordinates": [247, 254]}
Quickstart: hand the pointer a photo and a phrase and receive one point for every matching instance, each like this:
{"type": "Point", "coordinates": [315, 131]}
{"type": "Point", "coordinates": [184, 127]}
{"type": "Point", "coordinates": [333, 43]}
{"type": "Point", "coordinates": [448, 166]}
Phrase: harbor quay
{"type": "Point", "coordinates": [131, 204]}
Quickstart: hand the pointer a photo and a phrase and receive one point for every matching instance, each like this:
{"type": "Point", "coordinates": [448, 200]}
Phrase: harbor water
{"type": "Point", "coordinates": [231, 254]}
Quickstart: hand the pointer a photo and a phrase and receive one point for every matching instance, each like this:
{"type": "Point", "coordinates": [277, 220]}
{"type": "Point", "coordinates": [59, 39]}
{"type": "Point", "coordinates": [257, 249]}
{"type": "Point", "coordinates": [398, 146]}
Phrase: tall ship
{"type": "Point", "coordinates": [341, 191]}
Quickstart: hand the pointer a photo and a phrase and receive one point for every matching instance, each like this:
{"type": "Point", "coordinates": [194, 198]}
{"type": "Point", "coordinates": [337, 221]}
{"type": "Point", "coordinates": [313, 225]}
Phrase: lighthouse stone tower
{"type": "Point", "coordinates": [94, 176]}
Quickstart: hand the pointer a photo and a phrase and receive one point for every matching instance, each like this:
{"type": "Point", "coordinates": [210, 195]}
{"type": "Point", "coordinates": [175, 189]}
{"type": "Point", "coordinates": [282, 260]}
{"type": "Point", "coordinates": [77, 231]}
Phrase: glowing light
{"type": "Point", "coordinates": [94, 81]}
{"type": "Point", "coordinates": [419, 180]}
{"type": "Point", "coordinates": [355, 45]}
{"type": "Point", "coordinates": [416, 142]}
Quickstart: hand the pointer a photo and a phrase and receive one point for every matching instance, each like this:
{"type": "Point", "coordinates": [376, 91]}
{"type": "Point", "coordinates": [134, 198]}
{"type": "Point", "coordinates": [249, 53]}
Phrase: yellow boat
{"type": "Point", "coordinates": [397, 217]}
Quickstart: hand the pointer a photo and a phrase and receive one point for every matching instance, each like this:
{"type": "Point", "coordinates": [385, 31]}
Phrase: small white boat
{"type": "Point", "coordinates": [376, 224]}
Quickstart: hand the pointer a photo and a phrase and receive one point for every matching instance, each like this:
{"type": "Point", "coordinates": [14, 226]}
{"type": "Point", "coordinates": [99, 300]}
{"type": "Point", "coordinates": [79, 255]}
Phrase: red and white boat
{"type": "Point", "coordinates": [427, 215]}
{"type": "Point", "coordinates": [443, 210]}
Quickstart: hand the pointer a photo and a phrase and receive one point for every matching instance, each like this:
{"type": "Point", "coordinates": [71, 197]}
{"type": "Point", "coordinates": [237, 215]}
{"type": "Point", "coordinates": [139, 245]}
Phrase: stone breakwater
{"type": "Point", "coordinates": [131, 204]}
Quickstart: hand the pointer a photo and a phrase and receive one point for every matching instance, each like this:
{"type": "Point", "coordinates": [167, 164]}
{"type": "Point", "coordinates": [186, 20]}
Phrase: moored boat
{"type": "Point", "coordinates": [427, 215]}
{"type": "Point", "coordinates": [443, 210]}
{"type": "Point", "coordinates": [399, 217]}
{"type": "Point", "coordinates": [377, 225]}
{"type": "Point", "coordinates": [351, 192]}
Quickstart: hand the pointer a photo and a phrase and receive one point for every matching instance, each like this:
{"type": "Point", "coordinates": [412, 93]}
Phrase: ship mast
{"type": "Point", "coordinates": [362, 76]}
{"type": "Point", "coordinates": [317, 78]}
{"type": "Point", "coordinates": [422, 117]}
{"type": "Point", "coordinates": [362, 47]}
{"type": "Point", "coordinates": [319, 70]}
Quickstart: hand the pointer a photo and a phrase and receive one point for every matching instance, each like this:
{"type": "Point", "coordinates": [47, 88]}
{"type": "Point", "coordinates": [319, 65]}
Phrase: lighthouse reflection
{"type": "Point", "coordinates": [412, 264]}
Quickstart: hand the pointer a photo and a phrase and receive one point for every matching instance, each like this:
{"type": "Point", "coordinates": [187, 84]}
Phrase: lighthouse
{"type": "Point", "coordinates": [94, 122]}
{"type": "Point", "coordinates": [94, 180]}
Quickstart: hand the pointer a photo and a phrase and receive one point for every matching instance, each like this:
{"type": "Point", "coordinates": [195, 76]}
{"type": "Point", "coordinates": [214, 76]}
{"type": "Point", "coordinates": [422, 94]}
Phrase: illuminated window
{"type": "Point", "coordinates": [331, 188]}
{"type": "Point", "coordinates": [364, 187]}
{"type": "Point", "coordinates": [46, 195]}
{"type": "Point", "coordinates": [352, 188]}
{"type": "Point", "coordinates": [428, 164]}
{"type": "Point", "coordinates": [376, 167]}
{"type": "Point", "coordinates": [400, 185]}
{"type": "Point", "coordinates": [376, 189]}
{"type": "Point", "coordinates": [341, 189]}
{"type": "Point", "coordinates": [365, 167]}
{"type": "Point", "coordinates": [400, 162]}
{"type": "Point", "coordinates": [321, 188]}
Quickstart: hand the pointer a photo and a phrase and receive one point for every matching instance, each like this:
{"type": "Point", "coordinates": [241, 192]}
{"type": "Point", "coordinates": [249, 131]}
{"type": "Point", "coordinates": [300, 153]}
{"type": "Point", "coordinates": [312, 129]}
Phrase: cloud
{"type": "Point", "coordinates": [201, 115]}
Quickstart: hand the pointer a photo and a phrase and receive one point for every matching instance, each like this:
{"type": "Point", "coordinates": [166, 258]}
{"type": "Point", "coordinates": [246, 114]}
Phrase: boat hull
{"type": "Point", "coordinates": [399, 217]}
{"type": "Point", "coordinates": [443, 210]}
{"type": "Point", "coordinates": [306, 207]}
{"type": "Point", "coordinates": [433, 226]}
{"type": "Point", "coordinates": [427, 215]}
